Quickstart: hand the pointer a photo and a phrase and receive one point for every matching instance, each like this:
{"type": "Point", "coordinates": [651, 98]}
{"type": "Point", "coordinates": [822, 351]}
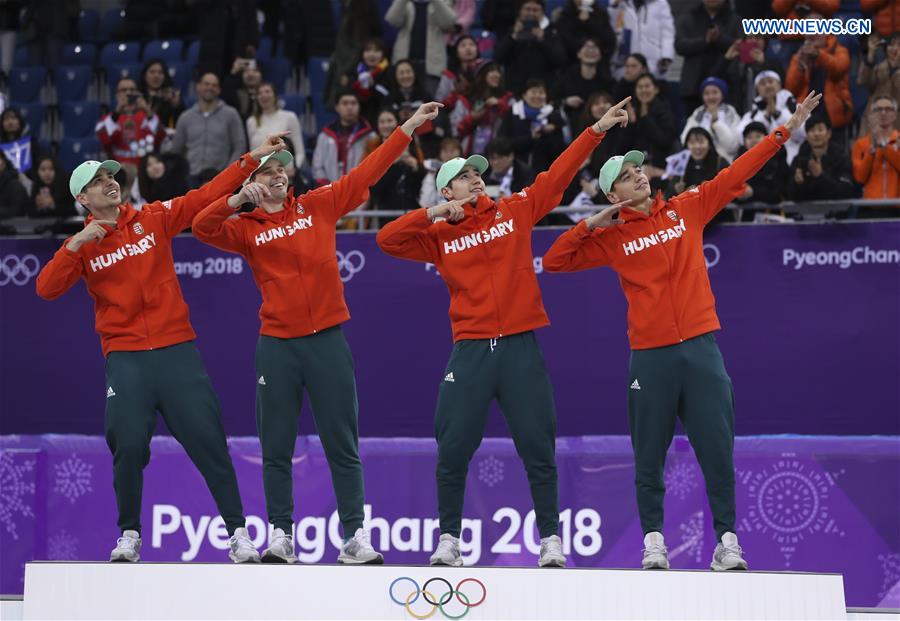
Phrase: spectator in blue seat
{"type": "Point", "coordinates": [239, 89]}
{"type": "Point", "coordinates": [160, 94]}
{"type": "Point", "coordinates": [50, 197]}
{"type": "Point", "coordinates": [209, 134]}
{"type": "Point", "coordinates": [821, 171]}
{"type": "Point", "coordinates": [15, 130]}
{"type": "Point", "coordinates": [532, 49]}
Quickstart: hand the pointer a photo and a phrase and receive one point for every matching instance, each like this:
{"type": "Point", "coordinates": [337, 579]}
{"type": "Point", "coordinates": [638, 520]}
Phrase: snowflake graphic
{"type": "Point", "coordinates": [73, 478]}
{"type": "Point", "coordinates": [681, 479]}
{"type": "Point", "coordinates": [62, 546]}
{"type": "Point", "coordinates": [692, 536]}
{"type": "Point", "coordinates": [15, 492]}
{"type": "Point", "coordinates": [490, 471]}
{"type": "Point", "coordinates": [890, 563]}
{"type": "Point", "coordinates": [791, 502]}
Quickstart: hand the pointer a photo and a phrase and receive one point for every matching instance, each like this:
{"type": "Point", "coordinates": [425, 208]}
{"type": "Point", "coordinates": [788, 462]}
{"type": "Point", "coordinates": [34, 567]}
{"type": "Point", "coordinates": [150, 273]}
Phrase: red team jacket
{"type": "Point", "coordinates": [486, 259]}
{"type": "Point", "coordinates": [293, 252]}
{"type": "Point", "coordinates": [659, 257]}
{"type": "Point", "coordinates": [130, 272]}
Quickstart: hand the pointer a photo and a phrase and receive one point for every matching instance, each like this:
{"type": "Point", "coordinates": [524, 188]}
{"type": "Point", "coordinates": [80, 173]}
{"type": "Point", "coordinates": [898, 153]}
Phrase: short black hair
{"type": "Point", "coordinates": [534, 83]}
{"type": "Point", "coordinates": [346, 92]}
{"type": "Point", "coordinates": [815, 120]}
{"type": "Point", "coordinates": [499, 146]}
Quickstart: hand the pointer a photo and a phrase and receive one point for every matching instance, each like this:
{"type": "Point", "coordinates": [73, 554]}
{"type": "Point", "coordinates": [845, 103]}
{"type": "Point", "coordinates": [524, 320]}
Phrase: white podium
{"type": "Point", "coordinates": [67, 590]}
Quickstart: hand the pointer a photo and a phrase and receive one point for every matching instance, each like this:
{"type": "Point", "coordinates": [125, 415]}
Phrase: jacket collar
{"type": "Point", "coordinates": [261, 215]}
{"type": "Point", "coordinates": [628, 214]}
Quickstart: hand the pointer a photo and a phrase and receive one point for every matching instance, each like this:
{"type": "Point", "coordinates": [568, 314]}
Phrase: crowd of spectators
{"type": "Point", "coordinates": [518, 79]}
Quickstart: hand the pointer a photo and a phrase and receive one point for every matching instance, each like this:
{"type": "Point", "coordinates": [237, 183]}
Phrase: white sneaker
{"type": "Point", "coordinates": [656, 556]}
{"type": "Point", "coordinates": [551, 552]}
{"type": "Point", "coordinates": [447, 552]}
{"type": "Point", "coordinates": [242, 549]}
{"type": "Point", "coordinates": [728, 554]}
{"type": "Point", "coordinates": [358, 550]}
{"type": "Point", "coordinates": [281, 548]}
{"type": "Point", "coordinates": [128, 548]}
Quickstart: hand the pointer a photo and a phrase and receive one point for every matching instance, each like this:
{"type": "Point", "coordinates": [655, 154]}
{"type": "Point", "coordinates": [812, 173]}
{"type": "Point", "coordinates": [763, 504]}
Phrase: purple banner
{"type": "Point", "coordinates": [810, 313]}
{"type": "Point", "coordinates": [804, 504]}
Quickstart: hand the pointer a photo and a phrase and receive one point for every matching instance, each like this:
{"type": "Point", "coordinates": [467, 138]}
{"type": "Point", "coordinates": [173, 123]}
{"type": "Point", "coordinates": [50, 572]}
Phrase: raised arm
{"type": "Point", "coordinates": [407, 237]}
{"type": "Point", "coordinates": [719, 191]}
{"type": "Point", "coordinates": [352, 189]}
{"type": "Point", "coordinates": [181, 211]}
{"type": "Point", "coordinates": [215, 226]}
{"type": "Point", "coordinates": [548, 187]}
{"type": "Point", "coordinates": [66, 266]}
{"type": "Point", "coordinates": [583, 246]}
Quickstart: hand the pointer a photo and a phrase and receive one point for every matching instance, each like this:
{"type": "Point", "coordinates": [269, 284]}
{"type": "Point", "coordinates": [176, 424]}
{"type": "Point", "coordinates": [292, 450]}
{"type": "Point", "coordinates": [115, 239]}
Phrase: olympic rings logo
{"type": "Point", "coordinates": [350, 264]}
{"type": "Point", "coordinates": [437, 603]}
{"type": "Point", "coordinates": [18, 270]}
{"type": "Point", "coordinates": [711, 254]}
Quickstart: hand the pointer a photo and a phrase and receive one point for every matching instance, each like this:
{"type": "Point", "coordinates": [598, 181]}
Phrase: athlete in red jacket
{"type": "Point", "coordinates": [482, 250]}
{"type": "Point", "coordinates": [656, 247]}
{"type": "Point", "coordinates": [290, 245]}
{"type": "Point", "coordinates": [125, 259]}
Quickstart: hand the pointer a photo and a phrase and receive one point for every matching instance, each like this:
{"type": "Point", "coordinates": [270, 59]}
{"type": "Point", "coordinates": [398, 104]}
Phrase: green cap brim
{"type": "Point", "coordinates": [613, 168]}
{"type": "Point", "coordinates": [452, 168]}
{"type": "Point", "coordinates": [284, 157]}
{"type": "Point", "coordinates": [85, 172]}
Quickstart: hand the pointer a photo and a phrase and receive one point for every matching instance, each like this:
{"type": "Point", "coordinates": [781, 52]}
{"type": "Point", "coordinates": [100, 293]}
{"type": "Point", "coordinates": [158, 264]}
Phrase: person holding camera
{"type": "Point", "coordinates": [532, 49]}
{"type": "Point", "coordinates": [132, 130]}
{"type": "Point", "coordinates": [161, 95]}
{"type": "Point", "coordinates": [823, 64]}
{"type": "Point", "coordinates": [883, 78]}
{"type": "Point", "coordinates": [240, 86]}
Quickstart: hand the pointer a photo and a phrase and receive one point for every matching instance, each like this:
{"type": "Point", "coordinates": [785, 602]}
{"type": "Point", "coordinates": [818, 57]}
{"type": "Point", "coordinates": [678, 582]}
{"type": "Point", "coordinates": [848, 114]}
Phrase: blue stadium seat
{"type": "Point", "coordinates": [317, 71]}
{"type": "Point", "coordinates": [180, 72]}
{"type": "Point", "coordinates": [72, 82]}
{"type": "Point", "coordinates": [324, 114]}
{"type": "Point", "coordinates": [266, 49]}
{"type": "Point", "coordinates": [88, 25]}
{"type": "Point", "coordinates": [120, 53]}
{"type": "Point", "coordinates": [79, 54]}
{"type": "Point", "coordinates": [25, 83]}
{"type": "Point", "coordinates": [109, 22]}
{"type": "Point", "coordinates": [79, 118]}
{"type": "Point", "coordinates": [167, 49]}
{"type": "Point", "coordinates": [295, 104]}
{"type": "Point", "coordinates": [277, 71]}
{"type": "Point", "coordinates": [74, 151]}
{"type": "Point", "coordinates": [193, 53]}
{"type": "Point", "coordinates": [21, 57]}
{"type": "Point", "coordinates": [33, 113]}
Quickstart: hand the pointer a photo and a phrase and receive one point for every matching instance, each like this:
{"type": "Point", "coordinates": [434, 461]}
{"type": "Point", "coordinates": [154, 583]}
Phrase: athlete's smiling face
{"type": "Point", "coordinates": [631, 184]}
{"type": "Point", "coordinates": [466, 183]}
{"type": "Point", "coordinates": [102, 192]}
{"type": "Point", "coordinates": [274, 176]}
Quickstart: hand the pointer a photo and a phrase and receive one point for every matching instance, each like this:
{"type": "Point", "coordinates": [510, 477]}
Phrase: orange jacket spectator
{"type": "Point", "coordinates": [885, 15]}
{"type": "Point", "coordinates": [834, 60]}
{"type": "Point", "coordinates": [878, 169]}
{"type": "Point", "coordinates": [787, 9]}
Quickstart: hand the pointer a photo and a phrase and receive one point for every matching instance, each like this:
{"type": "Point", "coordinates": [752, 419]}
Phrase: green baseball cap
{"type": "Point", "coordinates": [284, 157]}
{"type": "Point", "coordinates": [451, 168]}
{"type": "Point", "coordinates": [613, 167]}
{"type": "Point", "coordinates": [86, 171]}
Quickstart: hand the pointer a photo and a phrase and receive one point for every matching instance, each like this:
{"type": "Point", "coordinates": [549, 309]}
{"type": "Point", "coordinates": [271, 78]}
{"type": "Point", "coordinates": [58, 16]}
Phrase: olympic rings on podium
{"type": "Point", "coordinates": [437, 603]}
